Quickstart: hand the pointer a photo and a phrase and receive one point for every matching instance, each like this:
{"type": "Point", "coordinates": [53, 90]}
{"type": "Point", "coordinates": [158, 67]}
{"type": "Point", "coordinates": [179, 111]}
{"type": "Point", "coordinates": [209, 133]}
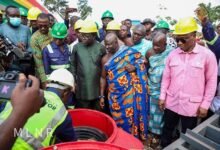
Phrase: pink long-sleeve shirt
{"type": "Point", "coordinates": [189, 80]}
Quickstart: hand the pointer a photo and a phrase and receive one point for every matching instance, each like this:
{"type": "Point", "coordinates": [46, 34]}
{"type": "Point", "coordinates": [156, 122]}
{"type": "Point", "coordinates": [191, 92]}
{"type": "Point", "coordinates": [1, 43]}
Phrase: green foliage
{"type": "Point", "coordinates": [56, 6]}
{"type": "Point", "coordinates": [84, 9]}
{"type": "Point", "coordinates": [169, 19]}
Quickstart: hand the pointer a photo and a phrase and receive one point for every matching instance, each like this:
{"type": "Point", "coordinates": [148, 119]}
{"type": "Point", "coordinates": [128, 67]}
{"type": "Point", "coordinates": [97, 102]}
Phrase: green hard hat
{"type": "Point", "coordinates": [23, 12]}
{"type": "Point", "coordinates": [59, 31]}
{"type": "Point", "coordinates": [107, 14]}
{"type": "Point", "coordinates": [162, 25]}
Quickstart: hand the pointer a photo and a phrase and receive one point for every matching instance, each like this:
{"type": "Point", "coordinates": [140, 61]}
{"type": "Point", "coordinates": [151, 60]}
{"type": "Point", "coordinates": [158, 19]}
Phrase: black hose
{"type": "Point", "coordinates": [90, 133]}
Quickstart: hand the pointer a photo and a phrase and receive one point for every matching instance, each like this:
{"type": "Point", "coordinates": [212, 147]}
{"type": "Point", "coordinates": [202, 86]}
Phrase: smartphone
{"type": "Point", "coordinates": [71, 10]}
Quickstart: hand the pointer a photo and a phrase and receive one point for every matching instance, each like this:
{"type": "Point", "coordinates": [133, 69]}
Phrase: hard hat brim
{"type": "Point", "coordinates": [183, 33]}
{"type": "Point", "coordinates": [107, 17]}
{"type": "Point", "coordinates": [59, 37]}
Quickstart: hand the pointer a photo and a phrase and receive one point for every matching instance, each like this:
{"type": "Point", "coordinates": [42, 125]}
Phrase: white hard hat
{"type": "Point", "coordinates": [61, 76]}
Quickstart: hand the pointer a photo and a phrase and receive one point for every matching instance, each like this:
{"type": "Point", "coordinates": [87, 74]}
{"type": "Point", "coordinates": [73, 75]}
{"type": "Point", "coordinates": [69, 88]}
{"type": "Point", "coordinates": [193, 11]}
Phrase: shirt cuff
{"type": "Point", "coordinates": [205, 104]}
{"type": "Point", "coordinates": [162, 96]}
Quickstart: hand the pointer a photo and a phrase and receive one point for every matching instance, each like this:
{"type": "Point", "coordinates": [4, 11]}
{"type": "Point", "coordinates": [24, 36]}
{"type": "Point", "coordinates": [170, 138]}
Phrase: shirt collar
{"type": "Point", "coordinates": [195, 50]}
{"type": "Point", "coordinates": [54, 90]}
{"type": "Point", "coordinates": [56, 47]}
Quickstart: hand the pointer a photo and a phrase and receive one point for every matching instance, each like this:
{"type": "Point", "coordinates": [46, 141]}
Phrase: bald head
{"type": "Point", "coordinates": [111, 43]}
{"type": "Point", "coordinates": [140, 28]}
{"type": "Point", "coordinates": [159, 42]}
{"type": "Point", "coordinates": [111, 37]}
{"type": "Point", "coordinates": [160, 36]}
{"type": "Point", "coordinates": [139, 33]}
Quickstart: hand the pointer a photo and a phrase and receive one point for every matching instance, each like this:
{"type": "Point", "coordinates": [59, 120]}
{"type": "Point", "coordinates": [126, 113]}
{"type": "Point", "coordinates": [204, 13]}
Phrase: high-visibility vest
{"type": "Point", "coordinates": [38, 130]}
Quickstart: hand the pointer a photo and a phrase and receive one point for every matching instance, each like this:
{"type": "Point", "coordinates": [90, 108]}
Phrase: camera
{"type": "Point", "coordinates": [8, 81]}
{"type": "Point", "coordinates": [9, 48]}
{"type": "Point", "coordinates": [14, 56]}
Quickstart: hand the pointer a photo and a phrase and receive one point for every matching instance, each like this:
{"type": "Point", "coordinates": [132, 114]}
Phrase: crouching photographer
{"type": "Point", "coordinates": [25, 102]}
{"type": "Point", "coordinates": [52, 123]}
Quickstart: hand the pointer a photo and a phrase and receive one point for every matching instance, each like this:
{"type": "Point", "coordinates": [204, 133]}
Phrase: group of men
{"type": "Point", "coordinates": [141, 75]}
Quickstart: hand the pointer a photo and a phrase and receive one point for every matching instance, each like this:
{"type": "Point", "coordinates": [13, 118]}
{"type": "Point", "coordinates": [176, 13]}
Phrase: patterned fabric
{"type": "Point", "coordinates": [38, 42]}
{"type": "Point", "coordinates": [157, 65]}
{"type": "Point", "coordinates": [155, 72]}
{"type": "Point", "coordinates": [127, 92]}
{"type": "Point", "coordinates": [156, 121]}
{"type": "Point", "coordinates": [143, 46]}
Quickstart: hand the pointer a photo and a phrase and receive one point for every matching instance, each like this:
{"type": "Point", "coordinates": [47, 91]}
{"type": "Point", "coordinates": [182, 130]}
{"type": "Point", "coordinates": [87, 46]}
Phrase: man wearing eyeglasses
{"type": "Point", "coordinates": [85, 65]}
{"type": "Point", "coordinates": [40, 39]}
{"type": "Point", "coordinates": [189, 81]}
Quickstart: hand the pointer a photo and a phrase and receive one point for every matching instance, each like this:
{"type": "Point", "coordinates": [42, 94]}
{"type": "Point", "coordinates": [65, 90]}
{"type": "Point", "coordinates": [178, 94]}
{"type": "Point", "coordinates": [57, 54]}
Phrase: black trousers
{"type": "Point", "coordinates": [89, 104]}
{"type": "Point", "coordinates": [171, 120]}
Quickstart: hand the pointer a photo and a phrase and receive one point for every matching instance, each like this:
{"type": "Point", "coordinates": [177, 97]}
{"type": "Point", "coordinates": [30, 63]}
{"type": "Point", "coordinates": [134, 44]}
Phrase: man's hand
{"type": "Point", "coordinates": [130, 68]}
{"type": "Point", "coordinates": [21, 45]}
{"type": "Point", "coordinates": [202, 113]}
{"type": "Point", "coordinates": [27, 100]}
{"type": "Point", "coordinates": [102, 103]}
{"type": "Point", "coordinates": [161, 104]}
{"type": "Point", "coordinates": [202, 15]}
{"type": "Point", "coordinates": [70, 10]}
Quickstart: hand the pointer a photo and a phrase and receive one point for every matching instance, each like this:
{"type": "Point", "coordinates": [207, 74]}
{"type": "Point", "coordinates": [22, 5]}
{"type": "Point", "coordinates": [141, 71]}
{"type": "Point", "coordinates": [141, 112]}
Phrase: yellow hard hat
{"type": "Point", "coordinates": [1, 12]}
{"type": "Point", "coordinates": [89, 27]}
{"type": "Point", "coordinates": [185, 26]}
{"type": "Point", "coordinates": [78, 24]}
{"type": "Point", "coordinates": [113, 25]}
{"type": "Point", "coordinates": [33, 13]}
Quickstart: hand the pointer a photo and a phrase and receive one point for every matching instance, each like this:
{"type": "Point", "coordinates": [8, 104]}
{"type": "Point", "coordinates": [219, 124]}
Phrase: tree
{"type": "Point", "coordinates": [169, 19]}
{"type": "Point", "coordinates": [56, 6]}
{"type": "Point", "coordinates": [213, 12]}
{"type": "Point", "coordinates": [84, 9]}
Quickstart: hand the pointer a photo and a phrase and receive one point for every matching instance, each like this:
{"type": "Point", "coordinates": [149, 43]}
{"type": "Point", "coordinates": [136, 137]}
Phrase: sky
{"type": "Point", "coordinates": [140, 9]}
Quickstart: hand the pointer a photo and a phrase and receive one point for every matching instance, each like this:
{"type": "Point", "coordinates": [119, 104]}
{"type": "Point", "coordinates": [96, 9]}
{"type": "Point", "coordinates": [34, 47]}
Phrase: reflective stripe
{"type": "Point", "coordinates": [25, 135]}
{"type": "Point", "coordinates": [49, 48]}
{"type": "Point", "coordinates": [54, 67]}
{"type": "Point", "coordinates": [212, 41]}
{"type": "Point", "coordinates": [30, 139]}
{"type": "Point", "coordinates": [52, 123]}
{"type": "Point", "coordinates": [57, 86]}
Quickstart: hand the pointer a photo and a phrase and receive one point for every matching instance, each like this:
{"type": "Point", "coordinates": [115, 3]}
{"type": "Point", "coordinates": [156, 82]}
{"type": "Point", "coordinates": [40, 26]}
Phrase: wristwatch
{"type": "Point", "coordinates": [101, 96]}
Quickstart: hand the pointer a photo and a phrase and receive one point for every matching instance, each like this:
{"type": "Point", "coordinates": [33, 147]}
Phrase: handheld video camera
{"type": "Point", "coordinates": [9, 48]}
{"type": "Point", "coordinates": [8, 81]}
{"type": "Point", "coordinates": [11, 54]}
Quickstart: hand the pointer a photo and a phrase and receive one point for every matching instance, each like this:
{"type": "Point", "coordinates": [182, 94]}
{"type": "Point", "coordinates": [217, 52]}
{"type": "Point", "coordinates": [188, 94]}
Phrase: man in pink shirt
{"type": "Point", "coordinates": [189, 81]}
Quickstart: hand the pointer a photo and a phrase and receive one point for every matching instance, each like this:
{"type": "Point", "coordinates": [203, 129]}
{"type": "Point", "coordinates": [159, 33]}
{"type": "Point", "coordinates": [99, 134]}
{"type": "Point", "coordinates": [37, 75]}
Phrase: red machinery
{"type": "Point", "coordinates": [117, 138]}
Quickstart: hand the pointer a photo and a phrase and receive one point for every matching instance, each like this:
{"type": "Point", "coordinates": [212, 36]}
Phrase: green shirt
{"type": "Point", "coordinates": [86, 68]}
{"type": "Point", "coordinates": [38, 42]}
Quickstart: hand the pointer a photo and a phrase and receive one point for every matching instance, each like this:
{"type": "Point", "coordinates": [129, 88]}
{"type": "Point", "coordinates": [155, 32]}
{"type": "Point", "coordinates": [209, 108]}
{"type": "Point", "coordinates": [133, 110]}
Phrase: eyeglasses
{"type": "Point", "coordinates": [87, 36]}
{"type": "Point", "coordinates": [182, 40]}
